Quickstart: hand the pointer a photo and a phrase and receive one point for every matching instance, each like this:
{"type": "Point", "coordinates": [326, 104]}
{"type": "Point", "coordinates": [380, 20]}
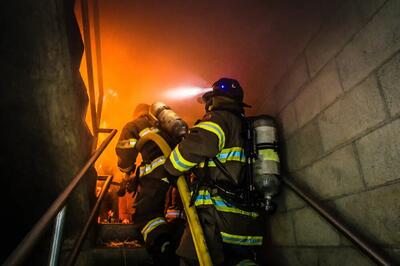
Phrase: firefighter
{"type": "Point", "coordinates": [231, 232]}
{"type": "Point", "coordinates": [152, 185]}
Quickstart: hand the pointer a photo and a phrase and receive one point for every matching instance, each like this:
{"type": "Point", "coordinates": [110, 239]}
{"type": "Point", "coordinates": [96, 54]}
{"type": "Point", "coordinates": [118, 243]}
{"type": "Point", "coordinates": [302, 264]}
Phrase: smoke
{"type": "Point", "coordinates": [150, 47]}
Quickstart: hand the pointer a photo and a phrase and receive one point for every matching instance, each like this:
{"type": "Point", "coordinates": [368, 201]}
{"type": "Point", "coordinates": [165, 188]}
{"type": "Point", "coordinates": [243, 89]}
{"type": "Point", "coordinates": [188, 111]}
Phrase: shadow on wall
{"type": "Point", "coordinates": [43, 103]}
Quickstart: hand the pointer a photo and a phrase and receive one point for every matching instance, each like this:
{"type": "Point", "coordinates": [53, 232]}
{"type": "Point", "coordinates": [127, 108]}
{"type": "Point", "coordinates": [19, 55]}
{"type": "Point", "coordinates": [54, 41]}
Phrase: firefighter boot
{"type": "Point", "coordinates": [163, 252]}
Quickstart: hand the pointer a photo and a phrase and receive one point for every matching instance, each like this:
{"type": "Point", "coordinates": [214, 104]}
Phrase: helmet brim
{"type": "Point", "coordinates": [205, 97]}
{"type": "Point", "coordinates": [208, 95]}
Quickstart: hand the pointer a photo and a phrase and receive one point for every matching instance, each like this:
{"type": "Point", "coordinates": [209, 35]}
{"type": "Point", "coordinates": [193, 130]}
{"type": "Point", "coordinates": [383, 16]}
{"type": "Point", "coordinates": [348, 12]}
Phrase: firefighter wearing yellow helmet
{"type": "Point", "coordinates": [151, 184]}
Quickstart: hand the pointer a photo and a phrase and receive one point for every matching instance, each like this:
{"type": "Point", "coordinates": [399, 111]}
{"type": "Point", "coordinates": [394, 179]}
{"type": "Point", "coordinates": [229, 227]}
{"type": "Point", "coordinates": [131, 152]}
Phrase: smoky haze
{"type": "Point", "coordinates": [150, 47]}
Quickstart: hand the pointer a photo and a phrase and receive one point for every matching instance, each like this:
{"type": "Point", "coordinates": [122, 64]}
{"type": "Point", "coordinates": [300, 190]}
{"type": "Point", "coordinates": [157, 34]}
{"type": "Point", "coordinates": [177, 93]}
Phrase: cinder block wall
{"type": "Point", "coordinates": [339, 106]}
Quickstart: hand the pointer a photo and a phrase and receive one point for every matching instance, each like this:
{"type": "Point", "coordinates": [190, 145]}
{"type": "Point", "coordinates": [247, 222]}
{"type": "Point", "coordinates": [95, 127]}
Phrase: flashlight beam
{"type": "Point", "coordinates": [185, 92]}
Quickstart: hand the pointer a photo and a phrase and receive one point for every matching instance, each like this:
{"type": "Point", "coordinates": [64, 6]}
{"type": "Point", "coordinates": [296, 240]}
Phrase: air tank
{"type": "Point", "coordinates": [168, 120]}
{"type": "Point", "coordinates": [266, 165]}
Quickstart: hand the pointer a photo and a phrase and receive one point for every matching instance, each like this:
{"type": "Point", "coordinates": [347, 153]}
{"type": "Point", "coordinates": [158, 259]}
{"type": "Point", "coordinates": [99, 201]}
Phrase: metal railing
{"type": "Point", "coordinates": [56, 242]}
{"type": "Point", "coordinates": [78, 243]}
{"type": "Point", "coordinates": [369, 250]}
{"type": "Point", "coordinates": [23, 250]}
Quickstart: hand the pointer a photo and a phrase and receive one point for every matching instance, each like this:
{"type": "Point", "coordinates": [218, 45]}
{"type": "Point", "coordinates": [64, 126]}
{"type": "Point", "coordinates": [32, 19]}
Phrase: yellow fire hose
{"type": "Point", "coordinates": [191, 213]}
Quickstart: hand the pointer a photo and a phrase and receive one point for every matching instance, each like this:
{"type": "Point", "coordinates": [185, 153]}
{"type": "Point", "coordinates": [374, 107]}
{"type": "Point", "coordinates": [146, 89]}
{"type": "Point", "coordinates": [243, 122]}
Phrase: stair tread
{"type": "Point", "coordinates": [117, 232]}
{"type": "Point", "coordinates": [120, 256]}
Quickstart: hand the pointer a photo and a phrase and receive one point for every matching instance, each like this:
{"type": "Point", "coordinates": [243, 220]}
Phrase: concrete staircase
{"type": "Point", "coordinates": [117, 245]}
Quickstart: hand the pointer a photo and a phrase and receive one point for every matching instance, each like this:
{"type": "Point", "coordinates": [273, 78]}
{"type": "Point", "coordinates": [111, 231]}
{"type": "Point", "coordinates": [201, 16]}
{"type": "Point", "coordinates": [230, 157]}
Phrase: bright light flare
{"type": "Point", "coordinates": [185, 92]}
{"type": "Point", "coordinates": [112, 92]}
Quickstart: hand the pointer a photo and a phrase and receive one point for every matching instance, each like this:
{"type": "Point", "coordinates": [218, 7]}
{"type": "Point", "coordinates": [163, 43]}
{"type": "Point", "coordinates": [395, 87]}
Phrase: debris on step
{"type": "Point", "coordinates": [120, 244]}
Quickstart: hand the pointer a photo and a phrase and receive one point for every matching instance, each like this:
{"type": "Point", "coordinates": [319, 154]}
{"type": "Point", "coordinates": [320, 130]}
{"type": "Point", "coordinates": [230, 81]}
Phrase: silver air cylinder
{"type": "Point", "coordinates": [168, 120]}
{"type": "Point", "coordinates": [266, 167]}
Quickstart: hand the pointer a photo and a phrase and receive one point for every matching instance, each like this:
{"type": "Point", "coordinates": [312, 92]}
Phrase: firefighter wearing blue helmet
{"type": "Point", "coordinates": [231, 232]}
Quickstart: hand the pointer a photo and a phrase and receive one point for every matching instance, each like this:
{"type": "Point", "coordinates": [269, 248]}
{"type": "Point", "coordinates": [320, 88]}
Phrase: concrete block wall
{"type": "Point", "coordinates": [339, 108]}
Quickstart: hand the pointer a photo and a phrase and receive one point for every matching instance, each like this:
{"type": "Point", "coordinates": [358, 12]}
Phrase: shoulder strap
{"type": "Point", "coordinates": [201, 181]}
{"type": "Point", "coordinates": [223, 169]}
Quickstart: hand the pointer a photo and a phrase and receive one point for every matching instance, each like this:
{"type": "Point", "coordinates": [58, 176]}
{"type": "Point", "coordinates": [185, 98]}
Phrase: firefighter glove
{"type": "Point", "coordinates": [172, 179]}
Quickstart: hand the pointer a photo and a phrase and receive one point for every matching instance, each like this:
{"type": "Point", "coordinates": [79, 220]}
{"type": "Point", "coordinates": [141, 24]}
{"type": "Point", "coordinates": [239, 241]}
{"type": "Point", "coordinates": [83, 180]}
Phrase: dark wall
{"type": "Point", "coordinates": [43, 103]}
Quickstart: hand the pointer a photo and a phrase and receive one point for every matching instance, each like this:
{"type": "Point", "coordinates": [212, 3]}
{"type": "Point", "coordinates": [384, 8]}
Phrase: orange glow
{"type": "Point", "coordinates": [135, 74]}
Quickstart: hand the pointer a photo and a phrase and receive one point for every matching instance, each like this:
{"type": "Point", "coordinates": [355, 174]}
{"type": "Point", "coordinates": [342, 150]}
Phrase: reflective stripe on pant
{"type": "Point", "coordinates": [235, 247]}
{"type": "Point", "coordinates": [151, 225]}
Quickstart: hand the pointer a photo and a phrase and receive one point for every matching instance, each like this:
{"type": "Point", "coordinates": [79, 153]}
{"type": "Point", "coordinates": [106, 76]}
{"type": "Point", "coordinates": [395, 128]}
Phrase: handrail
{"type": "Point", "coordinates": [25, 247]}
{"type": "Point", "coordinates": [104, 178]}
{"type": "Point", "coordinates": [356, 239]}
{"type": "Point", "coordinates": [105, 130]}
{"type": "Point", "coordinates": [78, 243]}
{"type": "Point", "coordinates": [56, 243]}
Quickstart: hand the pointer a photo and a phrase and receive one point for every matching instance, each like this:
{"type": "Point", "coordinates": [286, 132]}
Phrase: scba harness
{"type": "Point", "coordinates": [262, 169]}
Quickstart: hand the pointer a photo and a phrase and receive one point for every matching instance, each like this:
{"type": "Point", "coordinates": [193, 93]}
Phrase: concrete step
{"type": "Point", "coordinates": [113, 256]}
{"type": "Point", "coordinates": [101, 256]}
{"type": "Point", "coordinates": [117, 232]}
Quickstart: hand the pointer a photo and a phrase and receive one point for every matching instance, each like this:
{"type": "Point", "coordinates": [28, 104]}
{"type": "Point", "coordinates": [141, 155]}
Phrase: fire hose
{"type": "Point", "coordinates": [191, 213]}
